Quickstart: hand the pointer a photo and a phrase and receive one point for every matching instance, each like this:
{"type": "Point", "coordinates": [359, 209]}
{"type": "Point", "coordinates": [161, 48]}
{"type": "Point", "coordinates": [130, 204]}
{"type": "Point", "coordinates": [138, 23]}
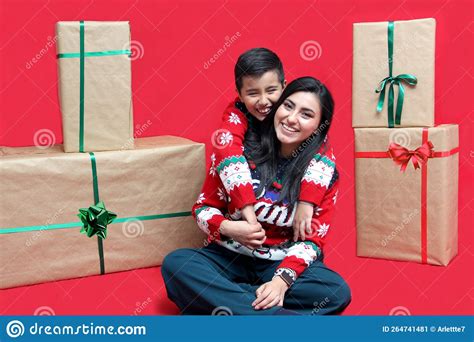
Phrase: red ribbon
{"type": "Point", "coordinates": [419, 158]}
{"type": "Point", "coordinates": [402, 155]}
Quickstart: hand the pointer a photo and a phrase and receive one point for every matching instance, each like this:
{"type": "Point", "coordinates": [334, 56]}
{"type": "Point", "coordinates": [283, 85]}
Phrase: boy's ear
{"type": "Point", "coordinates": [284, 84]}
{"type": "Point", "coordinates": [238, 93]}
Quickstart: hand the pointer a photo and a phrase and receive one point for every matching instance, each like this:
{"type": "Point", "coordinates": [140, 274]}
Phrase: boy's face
{"type": "Point", "coordinates": [259, 94]}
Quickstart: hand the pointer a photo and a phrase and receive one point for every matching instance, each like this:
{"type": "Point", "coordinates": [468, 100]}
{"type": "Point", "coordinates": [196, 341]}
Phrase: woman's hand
{"type": "Point", "coordinates": [250, 235]}
{"type": "Point", "coordinates": [270, 294]}
{"type": "Point", "coordinates": [302, 220]}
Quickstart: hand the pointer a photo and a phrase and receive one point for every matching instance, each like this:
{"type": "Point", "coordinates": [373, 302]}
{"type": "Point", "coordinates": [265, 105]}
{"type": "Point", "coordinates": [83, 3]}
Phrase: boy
{"type": "Point", "coordinates": [259, 80]}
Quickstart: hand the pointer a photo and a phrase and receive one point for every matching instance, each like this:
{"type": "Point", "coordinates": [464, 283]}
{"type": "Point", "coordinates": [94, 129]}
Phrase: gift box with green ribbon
{"type": "Point", "coordinates": [393, 74]}
{"type": "Point", "coordinates": [407, 193]}
{"type": "Point", "coordinates": [95, 85]}
{"type": "Point", "coordinates": [66, 215]}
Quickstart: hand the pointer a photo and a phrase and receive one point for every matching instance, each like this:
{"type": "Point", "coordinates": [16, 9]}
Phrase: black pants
{"type": "Point", "coordinates": [215, 280]}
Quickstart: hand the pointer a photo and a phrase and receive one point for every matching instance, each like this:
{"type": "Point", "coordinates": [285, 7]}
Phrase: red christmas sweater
{"type": "Point", "coordinates": [214, 205]}
{"type": "Point", "coordinates": [229, 163]}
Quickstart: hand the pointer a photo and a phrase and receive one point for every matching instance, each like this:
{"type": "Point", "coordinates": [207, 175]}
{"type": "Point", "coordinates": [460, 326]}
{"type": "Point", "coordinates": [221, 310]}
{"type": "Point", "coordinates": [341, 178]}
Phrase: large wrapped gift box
{"type": "Point", "coordinates": [151, 189]}
{"type": "Point", "coordinates": [413, 55]}
{"type": "Point", "coordinates": [407, 193]}
{"type": "Point", "coordinates": [95, 85]}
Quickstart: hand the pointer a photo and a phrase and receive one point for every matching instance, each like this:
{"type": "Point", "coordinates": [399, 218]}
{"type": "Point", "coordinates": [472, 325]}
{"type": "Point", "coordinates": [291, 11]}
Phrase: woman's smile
{"type": "Point", "coordinates": [289, 130]}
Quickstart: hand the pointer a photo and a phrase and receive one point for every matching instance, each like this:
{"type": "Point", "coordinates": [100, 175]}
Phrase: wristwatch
{"type": "Point", "coordinates": [288, 275]}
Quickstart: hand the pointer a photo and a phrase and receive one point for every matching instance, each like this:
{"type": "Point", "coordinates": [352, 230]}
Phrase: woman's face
{"type": "Point", "coordinates": [296, 119]}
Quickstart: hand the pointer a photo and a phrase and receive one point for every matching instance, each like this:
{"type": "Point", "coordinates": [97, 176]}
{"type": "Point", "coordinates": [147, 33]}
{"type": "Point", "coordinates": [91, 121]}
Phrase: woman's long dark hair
{"type": "Point", "coordinates": [263, 147]}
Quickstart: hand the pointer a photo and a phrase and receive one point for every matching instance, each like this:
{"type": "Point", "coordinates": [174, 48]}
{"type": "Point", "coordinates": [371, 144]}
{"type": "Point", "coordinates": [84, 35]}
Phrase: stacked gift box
{"type": "Point", "coordinates": [130, 199]}
{"type": "Point", "coordinates": [406, 167]}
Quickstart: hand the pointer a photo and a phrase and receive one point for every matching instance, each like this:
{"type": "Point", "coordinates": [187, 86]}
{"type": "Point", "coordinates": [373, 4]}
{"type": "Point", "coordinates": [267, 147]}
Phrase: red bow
{"type": "Point", "coordinates": [402, 155]}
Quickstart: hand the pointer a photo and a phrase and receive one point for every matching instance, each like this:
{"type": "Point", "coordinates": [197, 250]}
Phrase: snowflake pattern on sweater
{"type": "Point", "coordinates": [234, 172]}
{"type": "Point", "coordinates": [212, 207]}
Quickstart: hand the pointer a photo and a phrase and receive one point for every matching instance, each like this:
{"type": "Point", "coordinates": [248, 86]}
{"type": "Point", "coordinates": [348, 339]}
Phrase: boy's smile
{"type": "Point", "coordinates": [260, 93]}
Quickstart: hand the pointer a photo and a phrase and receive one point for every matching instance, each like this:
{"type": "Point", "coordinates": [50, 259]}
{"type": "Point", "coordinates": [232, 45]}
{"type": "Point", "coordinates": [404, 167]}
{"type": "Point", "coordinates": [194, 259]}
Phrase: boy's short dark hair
{"type": "Point", "coordinates": [255, 62]}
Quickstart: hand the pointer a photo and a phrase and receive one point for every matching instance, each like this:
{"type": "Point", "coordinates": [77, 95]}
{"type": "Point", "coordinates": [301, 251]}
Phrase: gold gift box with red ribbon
{"type": "Point", "coordinates": [407, 193]}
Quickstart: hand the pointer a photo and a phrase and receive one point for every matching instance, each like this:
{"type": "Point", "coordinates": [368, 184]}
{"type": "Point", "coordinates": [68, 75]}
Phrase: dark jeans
{"type": "Point", "coordinates": [215, 280]}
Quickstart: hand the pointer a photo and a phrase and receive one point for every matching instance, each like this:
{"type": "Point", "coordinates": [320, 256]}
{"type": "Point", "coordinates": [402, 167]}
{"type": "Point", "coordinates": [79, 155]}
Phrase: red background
{"type": "Point", "coordinates": [173, 90]}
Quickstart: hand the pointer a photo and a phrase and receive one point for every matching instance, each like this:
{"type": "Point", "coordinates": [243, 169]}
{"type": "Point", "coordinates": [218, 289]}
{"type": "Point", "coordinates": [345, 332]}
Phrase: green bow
{"type": "Point", "coordinates": [95, 220]}
{"type": "Point", "coordinates": [397, 80]}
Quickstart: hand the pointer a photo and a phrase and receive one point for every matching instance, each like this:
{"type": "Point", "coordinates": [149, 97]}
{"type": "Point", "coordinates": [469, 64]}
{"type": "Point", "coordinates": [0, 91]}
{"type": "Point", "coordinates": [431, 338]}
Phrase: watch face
{"type": "Point", "coordinates": [287, 278]}
{"type": "Point", "coordinates": [287, 275]}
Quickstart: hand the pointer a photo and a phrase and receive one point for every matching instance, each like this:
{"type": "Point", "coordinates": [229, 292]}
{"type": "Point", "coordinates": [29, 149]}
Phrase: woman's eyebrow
{"type": "Point", "coordinates": [307, 109]}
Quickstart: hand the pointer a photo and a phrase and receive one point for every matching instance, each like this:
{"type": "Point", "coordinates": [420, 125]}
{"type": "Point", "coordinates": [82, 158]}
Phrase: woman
{"type": "Point", "coordinates": [265, 268]}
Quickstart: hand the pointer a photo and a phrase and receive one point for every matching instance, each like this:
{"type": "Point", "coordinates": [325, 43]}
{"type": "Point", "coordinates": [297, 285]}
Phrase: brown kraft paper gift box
{"type": "Point", "coordinates": [102, 80]}
{"type": "Point", "coordinates": [143, 186]}
{"type": "Point", "coordinates": [413, 53]}
{"type": "Point", "coordinates": [410, 215]}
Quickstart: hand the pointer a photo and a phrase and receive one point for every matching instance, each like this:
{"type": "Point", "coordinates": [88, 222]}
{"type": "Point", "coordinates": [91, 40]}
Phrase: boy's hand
{"type": "Point", "coordinates": [248, 213]}
{"type": "Point", "coordinates": [302, 220]}
{"type": "Point", "coordinates": [250, 235]}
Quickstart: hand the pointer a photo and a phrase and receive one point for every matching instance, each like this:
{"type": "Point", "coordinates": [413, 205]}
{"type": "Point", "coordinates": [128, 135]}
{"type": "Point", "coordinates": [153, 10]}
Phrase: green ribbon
{"type": "Point", "coordinates": [393, 80]}
{"type": "Point", "coordinates": [95, 181]}
{"type": "Point", "coordinates": [81, 87]}
{"type": "Point", "coordinates": [81, 55]}
{"type": "Point", "coordinates": [95, 54]}
{"type": "Point", "coordinates": [76, 224]}
{"type": "Point", "coordinates": [95, 220]}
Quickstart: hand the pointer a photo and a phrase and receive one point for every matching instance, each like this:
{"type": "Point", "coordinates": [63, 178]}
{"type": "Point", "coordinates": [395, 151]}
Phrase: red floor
{"type": "Point", "coordinates": [379, 287]}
